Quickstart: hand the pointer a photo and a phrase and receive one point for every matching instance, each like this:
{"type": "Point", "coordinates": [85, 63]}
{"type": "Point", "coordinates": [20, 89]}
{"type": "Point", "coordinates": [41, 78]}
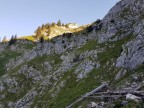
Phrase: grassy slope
{"type": "Point", "coordinates": [73, 89]}
{"type": "Point", "coordinates": [5, 56]}
{"type": "Point", "coordinates": [31, 38]}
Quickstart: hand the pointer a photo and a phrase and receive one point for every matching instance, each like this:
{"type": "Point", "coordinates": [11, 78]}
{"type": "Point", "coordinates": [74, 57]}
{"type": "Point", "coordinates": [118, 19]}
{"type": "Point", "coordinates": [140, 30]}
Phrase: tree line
{"type": "Point", "coordinates": [11, 41]}
{"type": "Point", "coordinates": [48, 26]}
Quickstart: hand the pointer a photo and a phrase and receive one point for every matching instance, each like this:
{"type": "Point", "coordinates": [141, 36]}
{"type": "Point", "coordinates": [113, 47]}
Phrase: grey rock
{"type": "Point", "coordinates": [120, 74]}
{"type": "Point", "coordinates": [84, 68]}
{"type": "Point", "coordinates": [26, 101]}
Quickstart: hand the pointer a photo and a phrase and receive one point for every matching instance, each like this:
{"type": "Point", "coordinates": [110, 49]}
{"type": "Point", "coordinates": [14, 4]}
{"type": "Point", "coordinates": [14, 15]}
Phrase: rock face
{"type": "Point", "coordinates": [125, 19]}
{"type": "Point", "coordinates": [55, 73]}
{"type": "Point", "coordinates": [133, 51]}
{"type": "Point", "coordinates": [133, 97]}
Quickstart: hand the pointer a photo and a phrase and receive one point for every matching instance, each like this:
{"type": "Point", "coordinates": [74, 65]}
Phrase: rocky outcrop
{"type": "Point", "coordinates": [58, 45]}
{"type": "Point", "coordinates": [25, 102]}
{"type": "Point", "coordinates": [2, 46]}
{"type": "Point", "coordinates": [132, 55]}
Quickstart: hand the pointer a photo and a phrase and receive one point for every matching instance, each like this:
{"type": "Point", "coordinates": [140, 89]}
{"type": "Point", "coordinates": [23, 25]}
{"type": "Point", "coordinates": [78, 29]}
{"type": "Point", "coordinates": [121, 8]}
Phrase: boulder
{"type": "Point", "coordinates": [133, 97]}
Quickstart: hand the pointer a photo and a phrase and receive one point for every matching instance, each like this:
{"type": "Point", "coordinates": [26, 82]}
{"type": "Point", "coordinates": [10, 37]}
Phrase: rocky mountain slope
{"type": "Point", "coordinates": [57, 72]}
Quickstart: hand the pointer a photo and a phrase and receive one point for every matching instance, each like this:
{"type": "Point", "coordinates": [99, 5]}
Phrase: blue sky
{"type": "Point", "coordinates": [22, 17]}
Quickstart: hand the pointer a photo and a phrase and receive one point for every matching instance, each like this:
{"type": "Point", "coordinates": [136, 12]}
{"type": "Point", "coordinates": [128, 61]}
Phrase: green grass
{"type": "Point", "coordinates": [113, 53]}
{"type": "Point", "coordinates": [124, 12]}
{"type": "Point", "coordinates": [24, 84]}
{"type": "Point", "coordinates": [131, 104]}
{"type": "Point", "coordinates": [90, 45]}
{"type": "Point", "coordinates": [73, 89]}
{"type": "Point", "coordinates": [26, 46]}
{"type": "Point", "coordinates": [8, 54]}
{"type": "Point", "coordinates": [29, 46]}
{"type": "Point", "coordinates": [128, 76]}
{"type": "Point", "coordinates": [41, 59]}
{"type": "Point", "coordinates": [5, 56]}
{"type": "Point", "coordinates": [31, 38]}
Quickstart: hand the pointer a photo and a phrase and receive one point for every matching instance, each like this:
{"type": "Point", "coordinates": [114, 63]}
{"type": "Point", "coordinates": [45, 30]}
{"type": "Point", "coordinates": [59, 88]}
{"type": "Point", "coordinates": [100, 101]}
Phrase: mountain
{"type": "Point", "coordinates": [67, 68]}
{"type": "Point", "coordinates": [51, 30]}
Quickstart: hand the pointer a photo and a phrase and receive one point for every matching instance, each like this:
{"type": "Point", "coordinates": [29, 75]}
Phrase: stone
{"type": "Point", "coordinates": [120, 74]}
{"type": "Point", "coordinates": [92, 105]}
{"type": "Point", "coordinates": [133, 97]}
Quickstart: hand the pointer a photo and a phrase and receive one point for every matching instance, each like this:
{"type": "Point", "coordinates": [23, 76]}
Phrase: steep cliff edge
{"type": "Point", "coordinates": [57, 72]}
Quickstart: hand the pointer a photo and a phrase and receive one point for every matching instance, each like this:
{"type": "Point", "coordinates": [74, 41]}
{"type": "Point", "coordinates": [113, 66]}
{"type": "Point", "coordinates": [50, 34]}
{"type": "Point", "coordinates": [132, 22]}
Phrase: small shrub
{"type": "Point", "coordinates": [99, 27]}
{"type": "Point", "coordinates": [69, 35]}
{"type": "Point", "coordinates": [41, 39]}
{"type": "Point", "coordinates": [77, 58]}
{"type": "Point", "coordinates": [12, 40]}
{"type": "Point", "coordinates": [64, 46]}
{"type": "Point", "coordinates": [112, 21]}
{"type": "Point", "coordinates": [98, 21]}
{"type": "Point", "coordinates": [89, 29]}
{"type": "Point", "coordinates": [63, 41]}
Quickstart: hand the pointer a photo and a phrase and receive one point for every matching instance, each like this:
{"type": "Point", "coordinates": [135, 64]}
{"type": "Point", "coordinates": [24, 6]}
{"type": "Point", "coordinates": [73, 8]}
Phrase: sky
{"type": "Point", "coordinates": [22, 17]}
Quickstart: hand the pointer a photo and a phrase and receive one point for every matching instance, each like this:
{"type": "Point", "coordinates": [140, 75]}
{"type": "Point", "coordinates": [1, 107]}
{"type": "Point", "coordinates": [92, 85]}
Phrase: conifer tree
{"type": "Point", "coordinates": [15, 38]}
{"type": "Point", "coordinates": [43, 26]}
{"type": "Point", "coordinates": [89, 29]}
{"type": "Point", "coordinates": [42, 39]}
{"type": "Point", "coordinates": [48, 25]}
{"type": "Point", "coordinates": [53, 24]}
{"type": "Point", "coordinates": [4, 39]}
{"type": "Point", "coordinates": [11, 40]}
{"type": "Point", "coordinates": [38, 32]}
{"type": "Point", "coordinates": [59, 23]}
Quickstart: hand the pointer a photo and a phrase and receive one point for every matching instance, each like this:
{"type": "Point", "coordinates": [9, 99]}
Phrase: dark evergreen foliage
{"type": "Point", "coordinates": [68, 35]}
{"type": "Point", "coordinates": [41, 39]}
{"type": "Point", "coordinates": [53, 24]}
{"type": "Point", "coordinates": [63, 41]}
{"type": "Point", "coordinates": [89, 29]}
{"type": "Point", "coordinates": [98, 21]}
{"type": "Point", "coordinates": [59, 23]}
{"type": "Point", "coordinates": [13, 40]}
{"type": "Point", "coordinates": [112, 20]}
{"type": "Point", "coordinates": [98, 27]}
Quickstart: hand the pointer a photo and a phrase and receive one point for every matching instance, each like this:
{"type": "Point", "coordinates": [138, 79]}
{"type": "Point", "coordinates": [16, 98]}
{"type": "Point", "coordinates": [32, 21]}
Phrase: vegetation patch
{"type": "Point", "coordinates": [5, 56]}
{"type": "Point", "coordinates": [90, 45]}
